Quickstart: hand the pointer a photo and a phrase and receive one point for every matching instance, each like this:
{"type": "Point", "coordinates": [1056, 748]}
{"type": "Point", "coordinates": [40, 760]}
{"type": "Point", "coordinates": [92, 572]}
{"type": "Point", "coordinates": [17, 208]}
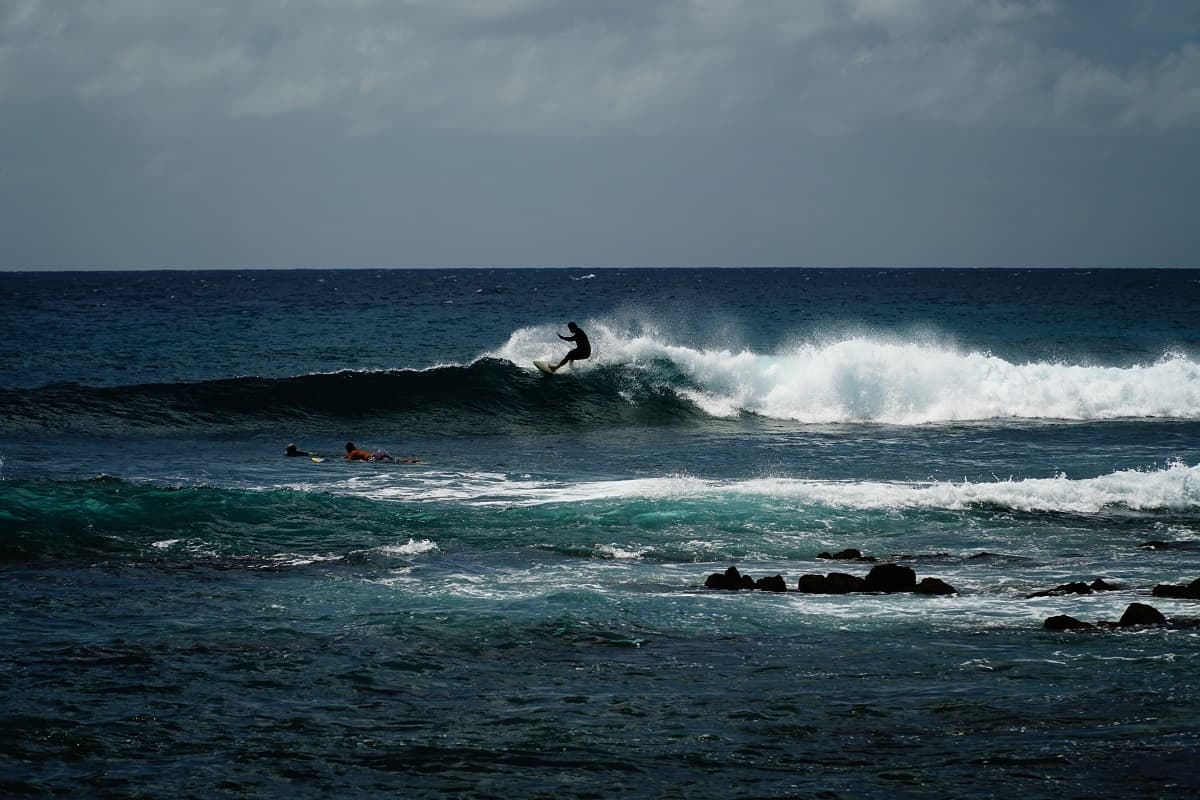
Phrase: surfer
{"type": "Point", "coordinates": [292, 451]}
{"type": "Point", "coordinates": [582, 349]}
{"type": "Point", "coordinates": [354, 453]}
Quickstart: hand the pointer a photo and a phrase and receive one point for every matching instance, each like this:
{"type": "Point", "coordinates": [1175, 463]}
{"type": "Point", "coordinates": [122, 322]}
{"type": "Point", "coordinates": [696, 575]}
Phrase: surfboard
{"type": "Point", "coordinates": [317, 459]}
{"type": "Point", "coordinates": [544, 366]}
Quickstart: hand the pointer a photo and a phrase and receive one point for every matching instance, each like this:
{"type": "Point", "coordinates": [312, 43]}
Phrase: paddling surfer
{"type": "Point", "coordinates": [354, 453]}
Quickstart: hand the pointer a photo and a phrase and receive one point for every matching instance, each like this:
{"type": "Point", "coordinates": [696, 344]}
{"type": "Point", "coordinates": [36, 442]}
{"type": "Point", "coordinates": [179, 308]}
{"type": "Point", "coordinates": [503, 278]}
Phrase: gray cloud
{"type": "Point", "coordinates": [572, 68]}
{"type": "Point", "coordinates": [442, 132]}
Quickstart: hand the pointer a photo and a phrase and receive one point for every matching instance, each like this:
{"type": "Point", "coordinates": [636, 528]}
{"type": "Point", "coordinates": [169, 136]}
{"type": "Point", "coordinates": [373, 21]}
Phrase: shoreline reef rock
{"type": "Point", "coordinates": [934, 586]}
{"type": "Point", "coordinates": [1141, 614]}
{"type": "Point", "coordinates": [1136, 615]}
{"type": "Point", "coordinates": [849, 554]}
{"type": "Point", "coordinates": [854, 554]}
{"type": "Point", "coordinates": [891, 578]}
{"type": "Point", "coordinates": [1077, 587]}
{"type": "Point", "coordinates": [833, 583]}
{"type": "Point", "coordinates": [883, 578]}
{"type": "Point", "coordinates": [1179, 591]}
{"type": "Point", "coordinates": [774, 583]}
{"type": "Point", "coordinates": [730, 580]}
{"type": "Point", "coordinates": [1064, 622]}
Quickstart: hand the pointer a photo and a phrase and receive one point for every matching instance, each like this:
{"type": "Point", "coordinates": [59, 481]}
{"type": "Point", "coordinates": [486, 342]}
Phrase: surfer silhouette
{"type": "Point", "coordinates": [292, 450]}
{"type": "Point", "coordinates": [582, 349]}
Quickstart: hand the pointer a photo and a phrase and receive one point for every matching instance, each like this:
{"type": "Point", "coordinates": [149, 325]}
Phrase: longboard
{"type": "Point", "coordinates": [544, 366]}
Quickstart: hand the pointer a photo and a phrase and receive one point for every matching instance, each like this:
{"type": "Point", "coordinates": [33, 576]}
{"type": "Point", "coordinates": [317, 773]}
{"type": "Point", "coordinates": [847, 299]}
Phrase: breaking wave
{"type": "Point", "coordinates": [636, 380]}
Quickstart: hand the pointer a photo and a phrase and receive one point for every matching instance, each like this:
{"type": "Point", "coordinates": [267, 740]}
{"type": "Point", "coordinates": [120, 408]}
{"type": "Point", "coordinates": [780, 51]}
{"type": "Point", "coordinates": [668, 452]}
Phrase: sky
{"type": "Point", "coordinates": [138, 134]}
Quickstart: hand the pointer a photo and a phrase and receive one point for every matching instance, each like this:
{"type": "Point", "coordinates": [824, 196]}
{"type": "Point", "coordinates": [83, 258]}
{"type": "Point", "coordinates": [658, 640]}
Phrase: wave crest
{"type": "Point", "coordinates": [639, 379]}
{"type": "Point", "coordinates": [861, 379]}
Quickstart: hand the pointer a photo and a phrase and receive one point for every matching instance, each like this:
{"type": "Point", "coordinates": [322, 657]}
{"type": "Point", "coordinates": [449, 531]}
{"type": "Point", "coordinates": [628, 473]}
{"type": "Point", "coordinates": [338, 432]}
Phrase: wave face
{"type": "Point", "coordinates": [637, 379]}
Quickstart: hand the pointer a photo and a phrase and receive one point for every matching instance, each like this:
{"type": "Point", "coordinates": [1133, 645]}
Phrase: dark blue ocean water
{"type": "Point", "coordinates": [184, 612]}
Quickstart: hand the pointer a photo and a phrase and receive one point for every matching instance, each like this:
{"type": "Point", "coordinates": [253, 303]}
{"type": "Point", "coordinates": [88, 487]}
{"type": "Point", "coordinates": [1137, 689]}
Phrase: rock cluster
{"type": "Point", "coordinates": [887, 578]}
{"type": "Point", "coordinates": [1077, 587]}
{"type": "Point", "coordinates": [849, 554]}
{"type": "Point", "coordinates": [890, 578]}
{"type": "Point", "coordinates": [733, 580]}
{"type": "Point", "coordinates": [1189, 592]}
{"type": "Point", "coordinates": [1135, 614]}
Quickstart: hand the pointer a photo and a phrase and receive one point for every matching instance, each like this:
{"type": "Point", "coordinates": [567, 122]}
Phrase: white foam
{"type": "Point", "coordinates": [621, 553]}
{"type": "Point", "coordinates": [301, 559]}
{"type": "Point", "coordinates": [412, 547]}
{"type": "Point", "coordinates": [1175, 487]}
{"type": "Point", "coordinates": [871, 379]}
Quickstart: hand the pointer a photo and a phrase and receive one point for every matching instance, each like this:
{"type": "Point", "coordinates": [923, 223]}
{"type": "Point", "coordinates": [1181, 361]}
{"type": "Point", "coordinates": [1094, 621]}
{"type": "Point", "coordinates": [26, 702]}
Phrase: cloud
{"type": "Point", "coordinates": [594, 67]}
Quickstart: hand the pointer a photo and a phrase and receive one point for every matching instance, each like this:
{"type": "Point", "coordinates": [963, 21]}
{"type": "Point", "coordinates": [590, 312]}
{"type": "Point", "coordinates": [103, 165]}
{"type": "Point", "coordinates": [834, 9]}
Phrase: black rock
{"type": "Point", "coordinates": [1189, 592]}
{"type": "Point", "coordinates": [1075, 587]}
{"type": "Point", "coordinates": [849, 554]}
{"type": "Point", "coordinates": [1063, 622]}
{"type": "Point", "coordinates": [934, 586]}
{"type": "Point", "coordinates": [833, 583]}
{"type": "Point", "coordinates": [891, 578]}
{"type": "Point", "coordinates": [730, 580]}
{"type": "Point", "coordinates": [1141, 614]}
{"type": "Point", "coordinates": [771, 584]}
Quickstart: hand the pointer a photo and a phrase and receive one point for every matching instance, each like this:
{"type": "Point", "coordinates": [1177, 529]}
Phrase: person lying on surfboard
{"type": "Point", "coordinates": [292, 450]}
{"type": "Point", "coordinates": [582, 350]}
{"type": "Point", "coordinates": [358, 454]}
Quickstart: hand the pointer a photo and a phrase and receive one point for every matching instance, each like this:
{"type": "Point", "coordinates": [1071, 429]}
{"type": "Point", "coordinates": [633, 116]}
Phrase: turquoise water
{"type": "Point", "coordinates": [188, 613]}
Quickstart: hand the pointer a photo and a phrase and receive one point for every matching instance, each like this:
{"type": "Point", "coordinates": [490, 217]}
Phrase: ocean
{"type": "Point", "coordinates": [186, 612]}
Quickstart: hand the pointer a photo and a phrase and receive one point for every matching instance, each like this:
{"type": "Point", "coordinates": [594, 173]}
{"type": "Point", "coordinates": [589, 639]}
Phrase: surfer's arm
{"type": "Point", "coordinates": [566, 338]}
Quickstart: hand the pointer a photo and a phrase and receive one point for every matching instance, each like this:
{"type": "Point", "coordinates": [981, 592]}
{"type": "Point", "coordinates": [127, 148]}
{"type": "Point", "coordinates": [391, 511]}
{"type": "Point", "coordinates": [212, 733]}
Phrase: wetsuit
{"type": "Point", "coordinates": [583, 348]}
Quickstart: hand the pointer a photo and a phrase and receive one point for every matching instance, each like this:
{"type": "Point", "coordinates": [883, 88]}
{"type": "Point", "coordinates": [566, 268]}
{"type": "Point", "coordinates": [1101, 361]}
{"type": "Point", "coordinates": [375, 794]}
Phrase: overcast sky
{"type": "Point", "coordinates": [409, 133]}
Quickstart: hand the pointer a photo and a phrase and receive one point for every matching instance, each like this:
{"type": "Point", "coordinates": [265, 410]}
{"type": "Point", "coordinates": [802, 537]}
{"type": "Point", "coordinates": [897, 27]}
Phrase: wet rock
{"type": "Point", "coordinates": [934, 586]}
{"type": "Point", "coordinates": [1189, 592]}
{"type": "Point", "coordinates": [833, 583]}
{"type": "Point", "coordinates": [922, 557]}
{"type": "Point", "coordinates": [771, 584]}
{"type": "Point", "coordinates": [1136, 614]}
{"type": "Point", "coordinates": [811, 584]}
{"type": "Point", "coordinates": [891, 578]}
{"type": "Point", "coordinates": [730, 580]}
{"type": "Point", "coordinates": [1063, 622]}
{"type": "Point", "coordinates": [1075, 587]}
{"type": "Point", "coordinates": [1141, 614]}
{"type": "Point", "coordinates": [849, 554]}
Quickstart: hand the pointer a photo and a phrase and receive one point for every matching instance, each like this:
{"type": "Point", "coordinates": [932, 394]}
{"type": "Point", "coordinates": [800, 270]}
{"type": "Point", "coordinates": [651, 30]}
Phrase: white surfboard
{"type": "Point", "coordinates": [544, 366]}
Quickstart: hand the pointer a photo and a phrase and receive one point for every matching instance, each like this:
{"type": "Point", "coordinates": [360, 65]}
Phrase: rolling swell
{"type": "Point", "coordinates": [487, 396]}
{"type": "Point", "coordinates": [636, 381]}
{"type": "Point", "coordinates": [109, 520]}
